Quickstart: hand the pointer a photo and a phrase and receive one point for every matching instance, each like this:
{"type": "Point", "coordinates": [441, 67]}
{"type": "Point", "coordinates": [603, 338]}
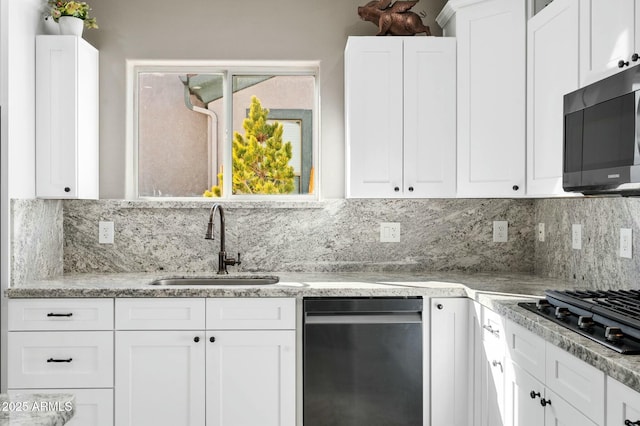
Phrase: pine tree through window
{"type": "Point", "coordinates": [194, 131]}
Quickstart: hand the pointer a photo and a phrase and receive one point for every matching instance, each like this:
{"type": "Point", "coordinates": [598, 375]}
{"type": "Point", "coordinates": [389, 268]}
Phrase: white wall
{"type": "Point", "coordinates": [227, 29]}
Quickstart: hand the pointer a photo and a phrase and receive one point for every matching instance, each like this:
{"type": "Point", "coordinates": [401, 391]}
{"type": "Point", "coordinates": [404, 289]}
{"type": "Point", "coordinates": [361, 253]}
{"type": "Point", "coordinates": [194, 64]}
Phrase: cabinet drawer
{"type": "Point", "coordinates": [60, 359]}
{"type": "Point", "coordinates": [580, 384]}
{"type": "Point", "coordinates": [160, 314]}
{"type": "Point", "coordinates": [92, 407]}
{"type": "Point", "coordinates": [60, 314]}
{"type": "Point", "coordinates": [251, 314]}
{"type": "Point", "coordinates": [526, 349]}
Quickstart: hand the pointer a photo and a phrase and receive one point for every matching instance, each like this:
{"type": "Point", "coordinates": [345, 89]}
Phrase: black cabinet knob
{"type": "Point", "coordinates": [622, 64]}
{"type": "Point", "coordinates": [196, 339]}
{"type": "Point", "coordinates": [545, 402]}
{"type": "Point", "coordinates": [635, 57]}
{"type": "Point", "coordinates": [397, 189]}
{"type": "Point", "coordinates": [212, 339]}
{"type": "Point", "coordinates": [67, 189]}
{"type": "Point", "coordinates": [439, 306]}
{"type": "Point", "coordinates": [630, 423]}
{"type": "Point", "coordinates": [534, 394]}
{"type": "Point", "coordinates": [411, 189]}
{"type": "Point", "coordinates": [515, 187]}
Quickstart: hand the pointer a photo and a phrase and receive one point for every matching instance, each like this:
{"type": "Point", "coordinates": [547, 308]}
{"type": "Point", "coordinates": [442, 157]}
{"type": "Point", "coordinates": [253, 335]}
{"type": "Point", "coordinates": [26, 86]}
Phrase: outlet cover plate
{"type": "Point", "coordinates": [626, 243]}
{"type": "Point", "coordinates": [500, 231]}
{"type": "Point", "coordinates": [390, 232]}
{"type": "Point", "coordinates": [576, 236]}
{"type": "Point", "coordinates": [105, 232]}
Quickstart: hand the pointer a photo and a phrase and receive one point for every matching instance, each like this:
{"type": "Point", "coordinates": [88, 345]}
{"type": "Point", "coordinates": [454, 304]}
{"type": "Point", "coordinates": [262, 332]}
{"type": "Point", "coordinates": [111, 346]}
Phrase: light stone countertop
{"type": "Point", "coordinates": [36, 409]}
{"type": "Point", "coordinates": [498, 291]}
{"type": "Point", "coordinates": [439, 284]}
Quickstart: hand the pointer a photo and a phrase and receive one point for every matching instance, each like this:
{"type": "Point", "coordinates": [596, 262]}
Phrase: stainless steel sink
{"type": "Point", "coordinates": [217, 280]}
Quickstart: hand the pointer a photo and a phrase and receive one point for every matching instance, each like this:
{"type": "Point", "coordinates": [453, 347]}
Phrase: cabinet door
{"type": "Point", "coordinates": [607, 36]}
{"type": "Point", "coordinates": [160, 378]}
{"type": "Point", "coordinates": [251, 378]}
{"type": "Point", "coordinates": [449, 361]}
{"type": "Point", "coordinates": [580, 384]}
{"type": "Point", "coordinates": [491, 98]}
{"type": "Point", "coordinates": [553, 71]}
{"type": "Point", "coordinates": [429, 117]}
{"type": "Point", "coordinates": [523, 394]}
{"type": "Point", "coordinates": [558, 412]}
{"type": "Point", "coordinates": [66, 118]}
{"type": "Point", "coordinates": [373, 116]}
{"type": "Point", "coordinates": [623, 404]}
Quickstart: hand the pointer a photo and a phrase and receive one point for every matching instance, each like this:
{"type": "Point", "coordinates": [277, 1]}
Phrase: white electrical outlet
{"type": "Point", "coordinates": [541, 232]}
{"type": "Point", "coordinates": [500, 231]}
{"type": "Point", "coordinates": [390, 232]}
{"type": "Point", "coordinates": [576, 236]}
{"type": "Point", "coordinates": [626, 243]}
{"type": "Point", "coordinates": [105, 232]}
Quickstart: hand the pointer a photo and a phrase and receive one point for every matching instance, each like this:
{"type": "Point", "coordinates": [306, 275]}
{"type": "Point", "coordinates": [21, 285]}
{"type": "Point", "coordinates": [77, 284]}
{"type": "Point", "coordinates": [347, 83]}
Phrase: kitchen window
{"type": "Point", "coordinates": [230, 131]}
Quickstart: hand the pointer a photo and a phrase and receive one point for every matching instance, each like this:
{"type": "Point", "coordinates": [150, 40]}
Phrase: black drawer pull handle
{"type": "Point", "coordinates": [59, 360]}
{"type": "Point", "coordinates": [212, 339]}
{"type": "Point", "coordinates": [51, 314]}
{"type": "Point", "coordinates": [534, 394]}
{"type": "Point", "coordinates": [196, 339]}
{"type": "Point", "coordinates": [545, 402]}
{"type": "Point", "coordinates": [630, 423]}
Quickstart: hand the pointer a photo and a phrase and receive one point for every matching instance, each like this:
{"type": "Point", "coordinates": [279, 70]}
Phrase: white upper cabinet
{"type": "Point", "coordinates": [553, 71]}
{"type": "Point", "coordinates": [490, 94]}
{"type": "Point", "coordinates": [66, 118]}
{"type": "Point", "coordinates": [609, 36]}
{"type": "Point", "coordinates": [400, 117]}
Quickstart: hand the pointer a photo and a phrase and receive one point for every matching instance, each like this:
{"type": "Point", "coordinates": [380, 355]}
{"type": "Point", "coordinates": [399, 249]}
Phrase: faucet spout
{"type": "Point", "coordinates": [223, 260]}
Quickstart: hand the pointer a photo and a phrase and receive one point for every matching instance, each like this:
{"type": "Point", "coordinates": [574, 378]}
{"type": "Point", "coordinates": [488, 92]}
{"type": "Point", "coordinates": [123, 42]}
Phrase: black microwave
{"type": "Point", "coordinates": [601, 136]}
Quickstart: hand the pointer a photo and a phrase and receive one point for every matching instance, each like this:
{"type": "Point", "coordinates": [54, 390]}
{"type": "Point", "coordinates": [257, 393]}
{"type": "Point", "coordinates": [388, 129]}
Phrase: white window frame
{"type": "Point", "coordinates": [229, 69]}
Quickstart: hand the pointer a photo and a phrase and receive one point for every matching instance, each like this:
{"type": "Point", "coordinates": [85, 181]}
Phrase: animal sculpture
{"type": "Point", "coordinates": [393, 19]}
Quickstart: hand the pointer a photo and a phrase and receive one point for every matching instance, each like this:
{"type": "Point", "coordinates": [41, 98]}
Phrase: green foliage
{"type": "Point", "coordinates": [260, 157]}
{"type": "Point", "coordinates": [77, 9]}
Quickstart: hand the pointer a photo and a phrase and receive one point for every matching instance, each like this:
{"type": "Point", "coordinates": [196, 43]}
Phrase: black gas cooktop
{"type": "Point", "coordinates": [609, 317]}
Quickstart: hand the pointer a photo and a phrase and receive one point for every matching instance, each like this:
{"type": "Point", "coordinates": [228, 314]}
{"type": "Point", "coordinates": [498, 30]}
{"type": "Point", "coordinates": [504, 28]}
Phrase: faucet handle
{"type": "Point", "coordinates": [231, 261]}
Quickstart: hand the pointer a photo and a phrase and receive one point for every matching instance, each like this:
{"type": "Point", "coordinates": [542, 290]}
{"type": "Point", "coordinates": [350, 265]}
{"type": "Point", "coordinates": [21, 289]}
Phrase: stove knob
{"type": "Point", "coordinates": [613, 334]}
{"type": "Point", "coordinates": [562, 313]}
{"type": "Point", "coordinates": [585, 323]}
{"type": "Point", "coordinates": [542, 304]}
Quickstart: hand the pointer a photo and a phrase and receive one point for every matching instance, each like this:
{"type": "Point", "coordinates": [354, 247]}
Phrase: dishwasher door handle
{"type": "Point", "coordinates": [396, 318]}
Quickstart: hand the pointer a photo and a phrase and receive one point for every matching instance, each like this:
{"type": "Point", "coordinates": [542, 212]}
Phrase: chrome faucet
{"type": "Point", "coordinates": [223, 260]}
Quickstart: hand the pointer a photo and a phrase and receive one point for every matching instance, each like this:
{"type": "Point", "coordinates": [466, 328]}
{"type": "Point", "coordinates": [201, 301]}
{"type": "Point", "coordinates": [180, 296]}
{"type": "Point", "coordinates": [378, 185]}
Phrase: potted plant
{"type": "Point", "coordinates": [72, 16]}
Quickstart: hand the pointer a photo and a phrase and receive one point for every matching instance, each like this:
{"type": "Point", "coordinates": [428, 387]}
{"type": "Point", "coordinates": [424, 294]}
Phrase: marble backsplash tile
{"type": "Point", "coordinates": [36, 239]}
{"type": "Point", "coordinates": [332, 235]}
{"type": "Point", "coordinates": [598, 264]}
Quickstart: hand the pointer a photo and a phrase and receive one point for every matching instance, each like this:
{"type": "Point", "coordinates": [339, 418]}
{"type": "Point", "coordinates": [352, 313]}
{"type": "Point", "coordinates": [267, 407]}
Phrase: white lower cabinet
{"type": "Point", "coordinates": [449, 361]}
{"type": "Point", "coordinates": [64, 346]}
{"type": "Point", "coordinates": [160, 378]}
{"type": "Point", "coordinates": [221, 377]}
{"type": "Point", "coordinates": [492, 365]}
{"type": "Point", "coordinates": [250, 378]}
{"type": "Point", "coordinates": [546, 386]}
{"type": "Point", "coordinates": [623, 404]}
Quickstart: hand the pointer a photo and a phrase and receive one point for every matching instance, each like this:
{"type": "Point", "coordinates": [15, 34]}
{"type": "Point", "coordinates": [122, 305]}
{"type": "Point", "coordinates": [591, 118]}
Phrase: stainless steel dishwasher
{"type": "Point", "coordinates": [362, 362]}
